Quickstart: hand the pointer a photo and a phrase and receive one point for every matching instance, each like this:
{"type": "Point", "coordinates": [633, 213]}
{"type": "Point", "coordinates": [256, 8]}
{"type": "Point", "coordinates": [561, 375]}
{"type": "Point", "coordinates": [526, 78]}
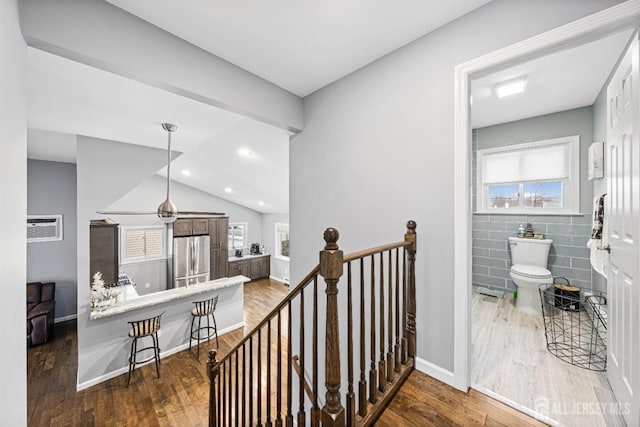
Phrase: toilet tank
{"type": "Point", "coordinates": [529, 251]}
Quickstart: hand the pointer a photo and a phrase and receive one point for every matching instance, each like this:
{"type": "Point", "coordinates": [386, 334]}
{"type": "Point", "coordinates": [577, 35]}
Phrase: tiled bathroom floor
{"type": "Point", "coordinates": [511, 360]}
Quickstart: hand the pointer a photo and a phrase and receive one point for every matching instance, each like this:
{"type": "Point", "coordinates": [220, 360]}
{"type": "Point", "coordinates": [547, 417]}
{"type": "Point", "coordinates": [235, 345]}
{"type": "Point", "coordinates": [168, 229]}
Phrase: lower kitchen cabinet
{"type": "Point", "coordinates": [252, 267]}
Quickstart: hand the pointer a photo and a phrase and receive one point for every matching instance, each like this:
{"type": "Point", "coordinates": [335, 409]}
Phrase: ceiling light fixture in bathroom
{"type": "Point", "coordinates": [510, 87]}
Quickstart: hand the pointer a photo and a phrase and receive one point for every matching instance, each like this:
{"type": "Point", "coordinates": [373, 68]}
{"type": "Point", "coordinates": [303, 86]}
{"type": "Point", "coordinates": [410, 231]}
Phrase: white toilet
{"type": "Point", "coordinates": [529, 270]}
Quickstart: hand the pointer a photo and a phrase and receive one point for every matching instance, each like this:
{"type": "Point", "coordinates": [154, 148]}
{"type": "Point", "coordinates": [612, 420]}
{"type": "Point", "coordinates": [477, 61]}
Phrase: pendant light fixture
{"type": "Point", "coordinates": [167, 211]}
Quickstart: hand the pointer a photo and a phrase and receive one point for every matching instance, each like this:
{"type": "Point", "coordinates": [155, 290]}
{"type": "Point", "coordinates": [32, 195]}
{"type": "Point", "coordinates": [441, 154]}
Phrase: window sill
{"type": "Point", "coordinates": [531, 213]}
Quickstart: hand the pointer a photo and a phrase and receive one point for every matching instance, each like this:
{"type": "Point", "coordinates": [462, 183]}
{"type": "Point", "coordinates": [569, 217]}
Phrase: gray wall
{"type": "Point", "coordinates": [51, 189]}
{"type": "Point", "coordinates": [377, 150]}
{"type": "Point", "coordinates": [13, 194]}
{"type": "Point", "coordinates": [568, 256]}
{"type": "Point", "coordinates": [279, 267]}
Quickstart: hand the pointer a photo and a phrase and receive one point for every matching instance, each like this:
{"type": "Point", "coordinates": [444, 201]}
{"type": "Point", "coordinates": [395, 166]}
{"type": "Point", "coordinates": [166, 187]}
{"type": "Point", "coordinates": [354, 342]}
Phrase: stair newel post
{"type": "Point", "coordinates": [213, 368]}
{"type": "Point", "coordinates": [331, 268]}
{"type": "Point", "coordinates": [410, 236]}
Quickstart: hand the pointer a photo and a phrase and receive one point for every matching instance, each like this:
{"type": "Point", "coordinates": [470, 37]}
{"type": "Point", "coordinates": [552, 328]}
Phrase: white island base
{"type": "Point", "coordinates": [104, 341]}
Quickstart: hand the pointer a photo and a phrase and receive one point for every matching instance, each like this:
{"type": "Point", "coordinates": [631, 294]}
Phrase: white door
{"type": "Point", "coordinates": [623, 214]}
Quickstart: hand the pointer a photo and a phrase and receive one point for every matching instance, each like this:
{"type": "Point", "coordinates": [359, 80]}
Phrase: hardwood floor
{"type": "Point", "coordinates": [180, 396]}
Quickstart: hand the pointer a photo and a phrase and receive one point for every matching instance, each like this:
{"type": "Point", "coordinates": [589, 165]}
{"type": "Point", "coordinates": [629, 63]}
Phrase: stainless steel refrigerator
{"type": "Point", "coordinates": [190, 260]}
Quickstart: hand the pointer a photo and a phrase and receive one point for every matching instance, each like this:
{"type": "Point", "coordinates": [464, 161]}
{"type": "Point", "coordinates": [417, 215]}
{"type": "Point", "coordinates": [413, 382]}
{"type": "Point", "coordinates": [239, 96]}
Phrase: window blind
{"type": "Point", "coordinates": [525, 164]}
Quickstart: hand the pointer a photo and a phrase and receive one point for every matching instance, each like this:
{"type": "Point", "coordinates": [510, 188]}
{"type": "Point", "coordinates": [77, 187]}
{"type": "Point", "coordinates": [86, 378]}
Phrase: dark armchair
{"type": "Point", "coordinates": [41, 311]}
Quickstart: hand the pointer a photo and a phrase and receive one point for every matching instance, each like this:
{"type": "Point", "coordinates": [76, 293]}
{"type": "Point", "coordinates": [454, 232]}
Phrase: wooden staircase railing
{"type": "Point", "coordinates": [254, 383]}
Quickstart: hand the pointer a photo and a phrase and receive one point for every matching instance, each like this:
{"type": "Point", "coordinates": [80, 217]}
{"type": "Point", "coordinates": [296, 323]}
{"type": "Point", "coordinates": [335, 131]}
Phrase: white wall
{"type": "Point", "coordinates": [377, 150]}
{"type": "Point", "coordinates": [279, 267]}
{"type": "Point", "coordinates": [96, 33]}
{"type": "Point", "coordinates": [51, 190]}
{"type": "Point", "coordinates": [13, 194]}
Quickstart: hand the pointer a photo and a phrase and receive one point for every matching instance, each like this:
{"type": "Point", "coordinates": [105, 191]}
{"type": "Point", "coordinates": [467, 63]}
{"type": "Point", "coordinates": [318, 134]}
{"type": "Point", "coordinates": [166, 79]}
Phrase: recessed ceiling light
{"type": "Point", "coordinates": [228, 190]}
{"type": "Point", "coordinates": [261, 203]}
{"type": "Point", "coordinates": [186, 172]}
{"type": "Point", "coordinates": [510, 87]}
{"type": "Point", "coordinates": [245, 152]}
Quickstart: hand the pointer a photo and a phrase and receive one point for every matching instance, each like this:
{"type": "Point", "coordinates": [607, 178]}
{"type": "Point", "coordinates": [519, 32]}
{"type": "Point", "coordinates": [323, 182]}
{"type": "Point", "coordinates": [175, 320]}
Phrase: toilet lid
{"type": "Point", "coordinates": [532, 271]}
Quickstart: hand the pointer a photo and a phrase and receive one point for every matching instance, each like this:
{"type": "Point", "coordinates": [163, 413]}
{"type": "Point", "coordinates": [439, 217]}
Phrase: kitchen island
{"type": "Point", "coordinates": [106, 343]}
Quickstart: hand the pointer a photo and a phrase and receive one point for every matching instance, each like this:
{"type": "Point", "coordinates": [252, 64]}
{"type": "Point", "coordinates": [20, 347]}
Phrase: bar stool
{"type": "Point", "coordinates": [141, 329]}
{"type": "Point", "coordinates": [204, 309]}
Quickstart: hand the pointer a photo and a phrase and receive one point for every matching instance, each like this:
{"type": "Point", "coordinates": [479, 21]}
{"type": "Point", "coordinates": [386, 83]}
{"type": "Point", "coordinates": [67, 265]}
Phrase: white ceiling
{"type": "Point", "coordinates": [300, 45]}
{"type": "Point", "coordinates": [561, 81]}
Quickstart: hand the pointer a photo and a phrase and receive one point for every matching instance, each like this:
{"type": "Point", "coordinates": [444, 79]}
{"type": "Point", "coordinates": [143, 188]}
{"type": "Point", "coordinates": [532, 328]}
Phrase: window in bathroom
{"type": "Point", "coordinates": [282, 241]}
{"type": "Point", "coordinates": [541, 177]}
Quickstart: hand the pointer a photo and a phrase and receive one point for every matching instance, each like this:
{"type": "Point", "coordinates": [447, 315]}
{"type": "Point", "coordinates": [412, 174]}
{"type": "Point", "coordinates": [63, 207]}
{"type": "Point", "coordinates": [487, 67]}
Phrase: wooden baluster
{"type": "Point", "coordinates": [259, 380]}
{"type": "Point", "coordinates": [279, 374]}
{"type": "Point", "coordinates": [250, 381]}
{"type": "Point", "coordinates": [237, 407]}
{"type": "Point", "coordinates": [397, 347]}
{"type": "Point", "coordinates": [390, 358]}
{"type": "Point", "coordinates": [405, 333]}
{"type": "Point", "coordinates": [230, 392]}
{"type": "Point", "coordinates": [331, 267]}
{"type": "Point", "coordinates": [212, 370]}
{"type": "Point", "coordinates": [410, 236]}
{"type": "Point", "coordinates": [244, 382]}
{"type": "Point", "coordinates": [219, 398]}
{"type": "Point", "coordinates": [373, 373]}
{"type": "Point", "coordinates": [268, 404]}
{"type": "Point", "coordinates": [225, 396]}
{"type": "Point", "coordinates": [289, 369]}
{"type": "Point", "coordinates": [315, 409]}
{"type": "Point", "coordinates": [382, 367]}
{"type": "Point", "coordinates": [351, 403]}
{"type": "Point", "coordinates": [362, 389]}
{"type": "Point", "coordinates": [301, 413]}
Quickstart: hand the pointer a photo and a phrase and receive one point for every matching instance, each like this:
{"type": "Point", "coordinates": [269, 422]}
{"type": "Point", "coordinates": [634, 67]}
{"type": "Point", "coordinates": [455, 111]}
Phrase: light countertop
{"type": "Point", "coordinates": [166, 296]}
{"type": "Point", "coordinates": [240, 258]}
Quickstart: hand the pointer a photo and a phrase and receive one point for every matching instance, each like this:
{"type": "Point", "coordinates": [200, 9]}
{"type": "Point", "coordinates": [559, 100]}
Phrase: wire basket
{"type": "Point", "coordinates": [575, 324]}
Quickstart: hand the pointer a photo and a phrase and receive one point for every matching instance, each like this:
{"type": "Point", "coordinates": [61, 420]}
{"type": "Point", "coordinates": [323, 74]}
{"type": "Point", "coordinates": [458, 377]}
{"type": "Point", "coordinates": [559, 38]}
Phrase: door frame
{"type": "Point", "coordinates": [612, 20]}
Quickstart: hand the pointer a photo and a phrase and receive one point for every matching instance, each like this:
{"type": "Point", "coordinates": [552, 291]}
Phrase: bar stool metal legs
{"type": "Point", "coordinates": [141, 329]}
{"type": "Point", "coordinates": [204, 309]}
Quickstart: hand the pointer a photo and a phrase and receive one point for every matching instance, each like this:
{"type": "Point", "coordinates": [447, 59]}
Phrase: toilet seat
{"type": "Point", "coordinates": [531, 271]}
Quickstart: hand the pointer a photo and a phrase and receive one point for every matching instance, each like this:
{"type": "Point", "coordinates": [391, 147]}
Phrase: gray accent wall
{"type": "Point", "coordinates": [13, 195]}
{"type": "Point", "coordinates": [569, 255]}
{"type": "Point", "coordinates": [51, 190]}
{"type": "Point", "coordinates": [377, 150]}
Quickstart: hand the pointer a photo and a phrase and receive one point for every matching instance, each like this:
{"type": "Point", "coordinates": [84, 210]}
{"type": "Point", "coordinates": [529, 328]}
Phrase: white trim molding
{"type": "Point", "coordinates": [612, 20]}
{"type": "Point", "coordinates": [435, 371]}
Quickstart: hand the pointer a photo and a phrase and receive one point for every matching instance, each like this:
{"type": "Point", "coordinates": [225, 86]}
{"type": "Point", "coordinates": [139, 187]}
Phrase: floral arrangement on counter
{"type": "Point", "coordinates": [100, 294]}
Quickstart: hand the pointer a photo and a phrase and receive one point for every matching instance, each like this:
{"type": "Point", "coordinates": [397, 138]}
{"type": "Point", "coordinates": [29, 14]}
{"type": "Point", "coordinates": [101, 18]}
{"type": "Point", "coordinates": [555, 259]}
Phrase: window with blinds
{"type": "Point", "coordinates": [541, 177]}
{"type": "Point", "coordinates": [142, 243]}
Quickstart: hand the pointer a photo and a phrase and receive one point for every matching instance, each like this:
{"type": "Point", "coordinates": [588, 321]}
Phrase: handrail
{"type": "Point", "coordinates": [272, 314]}
{"type": "Point", "coordinates": [390, 286]}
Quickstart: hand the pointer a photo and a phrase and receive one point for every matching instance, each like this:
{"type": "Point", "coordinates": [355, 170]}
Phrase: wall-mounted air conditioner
{"type": "Point", "coordinates": [44, 228]}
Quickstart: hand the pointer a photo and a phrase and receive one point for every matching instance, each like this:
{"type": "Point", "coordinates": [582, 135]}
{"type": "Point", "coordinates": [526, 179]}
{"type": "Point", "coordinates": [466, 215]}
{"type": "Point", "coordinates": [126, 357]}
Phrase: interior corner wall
{"type": "Point", "coordinates": [13, 190]}
{"type": "Point", "coordinates": [51, 190]}
{"type": "Point", "coordinates": [279, 267]}
{"type": "Point", "coordinates": [377, 150]}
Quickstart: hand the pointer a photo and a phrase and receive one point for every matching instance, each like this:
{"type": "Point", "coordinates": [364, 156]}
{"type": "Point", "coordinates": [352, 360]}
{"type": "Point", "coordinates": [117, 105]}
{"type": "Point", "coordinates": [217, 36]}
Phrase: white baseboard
{"type": "Point", "coordinates": [65, 318]}
{"type": "Point", "coordinates": [277, 279]}
{"type": "Point", "coordinates": [163, 354]}
{"type": "Point", "coordinates": [435, 371]}
{"type": "Point", "coordinates": [517, 406]}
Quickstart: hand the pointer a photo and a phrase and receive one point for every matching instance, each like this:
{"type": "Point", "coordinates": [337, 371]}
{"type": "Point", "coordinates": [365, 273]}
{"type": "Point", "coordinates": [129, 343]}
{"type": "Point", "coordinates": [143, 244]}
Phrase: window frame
{"type": "Point", "coordinates": [279, 226]}
{"type": "Point", "coordinates": [570, 186]}
{"type": "Point", "coordinates": [124, 244]}
{"type": "Point", "coordinates": [245, 235]}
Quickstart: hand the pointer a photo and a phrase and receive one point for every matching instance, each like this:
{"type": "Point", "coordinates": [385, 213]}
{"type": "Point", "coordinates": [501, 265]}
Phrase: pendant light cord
{"type": "Point", "coordinates": [168, 164]}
